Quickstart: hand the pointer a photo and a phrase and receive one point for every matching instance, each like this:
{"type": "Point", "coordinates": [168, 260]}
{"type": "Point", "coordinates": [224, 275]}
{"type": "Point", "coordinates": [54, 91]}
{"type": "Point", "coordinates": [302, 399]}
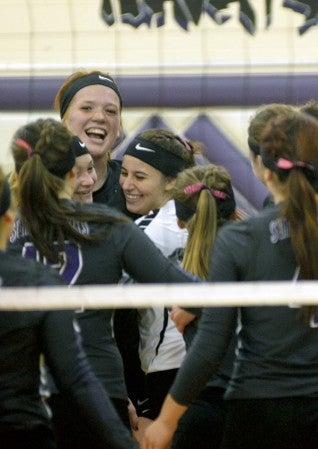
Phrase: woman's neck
{"type": "Point", "coordinates": [276, 188]}
{"type": "Point", "coordinates": [101, 169]}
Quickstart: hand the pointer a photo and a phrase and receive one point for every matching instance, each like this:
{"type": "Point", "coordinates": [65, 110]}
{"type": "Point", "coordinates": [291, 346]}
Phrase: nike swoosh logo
{"type": "Point", "coordinates": [141, 148]}
{"type": "Point", "coordinates": [82, 144]}
{"type": "Point", "coordinates": [104, 78]}
{"type": "Point", "coordinates": [142, 402]}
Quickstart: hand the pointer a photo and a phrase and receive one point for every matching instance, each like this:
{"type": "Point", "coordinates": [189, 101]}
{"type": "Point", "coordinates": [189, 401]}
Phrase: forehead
{"type": "Point", "coordinates": [133, 164]}
{"type": "Point", "coordinates": [83, 161]}
{"type": "Point", "coordinates": [97, 93]}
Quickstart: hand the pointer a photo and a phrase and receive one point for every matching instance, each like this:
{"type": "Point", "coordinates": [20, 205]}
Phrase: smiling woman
{"type": "Point", "coordinates": [149, 170]}
{"type": "Point", "coordinates": [86, 175]}
{"type": "Point", "coordinates": [90, 104]}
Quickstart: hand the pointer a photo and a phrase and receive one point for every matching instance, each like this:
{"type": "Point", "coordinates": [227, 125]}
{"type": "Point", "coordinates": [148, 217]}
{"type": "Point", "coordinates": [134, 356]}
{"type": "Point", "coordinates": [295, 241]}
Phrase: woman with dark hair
{"type": "Point", "coordinates": [272, 397]}
{"type": "Point", "coordinates": [24, 338]}
{"type": "Point", "coordinates": [87, 243]}
{"type": "Point", "coordinates": [150, 166]}
{"type": "Point", "coordinates": [86, 175]}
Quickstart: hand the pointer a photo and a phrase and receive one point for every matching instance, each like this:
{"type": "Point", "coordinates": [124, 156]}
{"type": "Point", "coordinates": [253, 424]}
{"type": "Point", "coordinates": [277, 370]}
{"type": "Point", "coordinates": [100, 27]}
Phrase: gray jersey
{"type": "Point", "coordinates": [277, 352]}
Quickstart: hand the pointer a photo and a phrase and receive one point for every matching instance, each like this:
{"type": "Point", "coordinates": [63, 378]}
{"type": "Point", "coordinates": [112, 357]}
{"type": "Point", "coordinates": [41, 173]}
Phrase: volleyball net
{"type": "Point", "coordinates": [148, 295]}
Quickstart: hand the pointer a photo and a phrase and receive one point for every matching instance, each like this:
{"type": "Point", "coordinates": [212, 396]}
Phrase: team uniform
{"type": "Point", "coordinates": [123, 246]}
{"type": "Point", "coordinates": [161, 347]}
{"type": "Point", "coordinates": [24, 419]}
{"type": "Point", "coordinates": [161, 344]}
{"type": "Point", "coordinates": [273, 393]}
{"type": "Point", "coordinates": [111, 194]}
{"type": "Point", "coordinates": [202, 424]}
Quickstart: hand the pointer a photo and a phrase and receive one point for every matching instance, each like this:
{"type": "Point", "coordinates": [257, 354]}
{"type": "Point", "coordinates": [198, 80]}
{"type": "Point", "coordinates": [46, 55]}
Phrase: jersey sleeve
{"type": "Point", "coordinates": [144, 262]}
{"type": "Point", "coordinates": [73, 375]}
{"type": "Point", "coordinates": [210, 344]}
{"type": "Point", "coordinates": [47, 276]}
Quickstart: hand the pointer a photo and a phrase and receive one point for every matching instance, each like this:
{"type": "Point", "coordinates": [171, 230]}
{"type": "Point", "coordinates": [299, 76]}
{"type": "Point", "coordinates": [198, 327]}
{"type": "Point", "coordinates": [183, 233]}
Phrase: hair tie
{"type": "Point", "coordinates": [194, 188]}
{"type": "Point", "coordinates": [187, 145]}
{"type": "Point", "coordinates": [22, 143]}
{"type": "Point", "coordinates": [285, 164]}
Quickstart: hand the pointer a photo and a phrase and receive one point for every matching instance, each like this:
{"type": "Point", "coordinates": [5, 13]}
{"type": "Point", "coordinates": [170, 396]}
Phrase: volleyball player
{"type": "Point", "coordinates": [86, 174]}
{"type": "Point", "coordinates": [273, 393]}
{"type": "Point", "coordinates": [24, 336]}
{"type": "Point", "coordinates": [150, 166]}
{"type": "Point", "coordinates": [89, 244]}
{"type": "Point", "coordinates": [90, 106]}
{"type": "Point", "coordinates": [205, 202]}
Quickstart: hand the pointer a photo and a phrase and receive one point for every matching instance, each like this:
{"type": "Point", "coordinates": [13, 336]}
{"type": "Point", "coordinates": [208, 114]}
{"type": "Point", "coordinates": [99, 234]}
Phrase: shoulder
{"type": "Point", "coordinates": [17, 271]}
{"type": "Point", "coordinates": [99, 209]}
{"type": "Point", "coordinates": [251, 226]}
{"type": "Point", "coordinates": [241, 238]}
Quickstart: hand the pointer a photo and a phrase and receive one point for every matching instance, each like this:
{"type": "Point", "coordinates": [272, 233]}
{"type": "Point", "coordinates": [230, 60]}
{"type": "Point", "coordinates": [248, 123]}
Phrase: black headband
{"type": "Point", "coordinates": [225, 206]}
{"type": "Point", "coordinates": [184, 212]}
{"type": "Point", "coordinates": [83, 81]}
{"type": "Point", "coordinates": [158, 157]}
{"type": "Point", "coordinates": [5, 198]}
{"type": "Point", "coordinates": [62, 166]}
{"type": "Point", "coordinates": [78, 147]}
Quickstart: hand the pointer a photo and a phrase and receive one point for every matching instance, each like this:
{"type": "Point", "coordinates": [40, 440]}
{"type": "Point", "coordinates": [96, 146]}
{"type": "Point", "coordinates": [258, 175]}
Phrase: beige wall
{"type": "Point", "coordinates": [53, 37]}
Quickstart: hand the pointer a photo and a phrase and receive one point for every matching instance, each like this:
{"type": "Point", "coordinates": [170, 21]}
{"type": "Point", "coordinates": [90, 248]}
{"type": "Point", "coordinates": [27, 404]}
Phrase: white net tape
{"type": "Point", "coordinates": [146, 295]}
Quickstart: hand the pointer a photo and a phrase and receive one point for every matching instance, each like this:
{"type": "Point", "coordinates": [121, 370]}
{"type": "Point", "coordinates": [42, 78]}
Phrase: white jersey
{"type": "Point", "coordinates": [161, 345]}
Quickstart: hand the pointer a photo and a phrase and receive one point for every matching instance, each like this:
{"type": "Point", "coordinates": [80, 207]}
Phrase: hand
{"type": "Point", "coordinates": [143, 424]}
{"type": "Point", "coordinates": [157, 436]}
{"type": "Point", "coordinates": [133, 418]}
{"type": "Point", "coordinates": [181, 318]}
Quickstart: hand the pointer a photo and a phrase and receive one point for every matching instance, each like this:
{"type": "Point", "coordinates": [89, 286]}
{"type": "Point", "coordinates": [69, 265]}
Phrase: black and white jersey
{"type": "Point", "coordinates": [162, 346]}
{"type": "Point", "coordinates": [277, 351]}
